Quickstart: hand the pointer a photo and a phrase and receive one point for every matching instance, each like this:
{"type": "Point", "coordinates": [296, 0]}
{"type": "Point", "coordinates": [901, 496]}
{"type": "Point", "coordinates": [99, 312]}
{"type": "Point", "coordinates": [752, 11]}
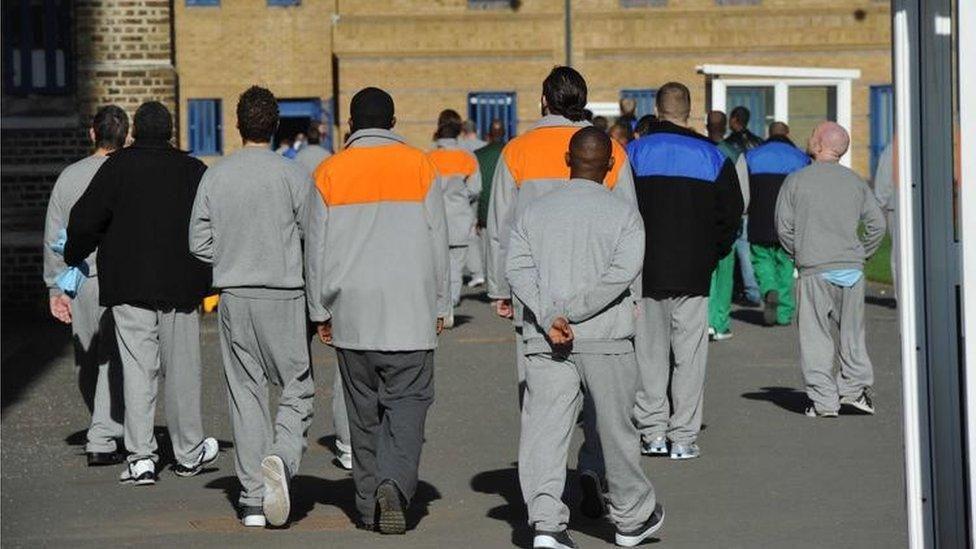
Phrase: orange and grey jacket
{"type": "Point", "coordinates": [530, 166]}
{"type": "Point", "coordinates": [460, 180]}
{"type": "Point", "coordinates": [376, 255]}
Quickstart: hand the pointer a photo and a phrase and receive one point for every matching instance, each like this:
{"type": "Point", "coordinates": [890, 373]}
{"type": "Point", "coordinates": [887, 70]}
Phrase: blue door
{"type": "Point", "coordinates": [309, 111]}
{"type": "Point", "coordinates": [882, 121]}
{"type": "Point", "coordinates": [484, 107]}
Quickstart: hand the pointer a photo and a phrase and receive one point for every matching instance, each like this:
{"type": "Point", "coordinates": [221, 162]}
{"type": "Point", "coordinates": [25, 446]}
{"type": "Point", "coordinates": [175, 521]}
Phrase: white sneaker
{"type": "Point", "coordinates": [208, 454]}
{"type": "Point", "coordinates": [253, 517]}
{"type": "Point", "coordinates": [475, 282]}
{"type": "Point", "coordinates": [344, 460]}
{"type": "Point", "coordinates": [139, 473]}
{"type": "Point", "coordinates": [277, 500]}
{"type": "Point", "coordinates": [449, 320]}
{"type": "Point", "coordinates": [656, 447]}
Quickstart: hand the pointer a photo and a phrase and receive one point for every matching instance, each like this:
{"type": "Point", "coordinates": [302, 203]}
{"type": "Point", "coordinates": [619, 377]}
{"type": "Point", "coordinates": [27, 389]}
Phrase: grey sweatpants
{"type": "Point", "coordinates": [387, 397]}
{"type": "Point", "coordinates": [154, 342]}
{"type": "Point", "coordinates": [340, 417]}
{"type": "Point", "coordinates": [99, 369]}
{"type": "Point", "coordinates": [822, 308]}
{"type": "Point", "coordinates": [672, 349]}
{"type": "Point", "coordinates": [263, 340]}
{"type": "Point", "coordinates": [553, 400]}
{"type": "Point", "coordinates": [475, 258]}
{"type": "Point", "coordinates": [457, 255]}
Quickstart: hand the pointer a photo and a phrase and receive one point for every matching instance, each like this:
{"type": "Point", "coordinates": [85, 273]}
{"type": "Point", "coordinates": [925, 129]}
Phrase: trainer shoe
{"type": "Point", "coordinates": [253, 517]}
{"type": "Point", "coordinates": [719, 336]}
{"type": "Point", "coordinates": [101, 459]}
{"type": "Point", "coordinates": [208, 454]}
{"type": "Point", "coordinates": [684, 451]}
{"type": "Point", "coordinates": [812, 412]}
{"type": "Point", "coordinates": [863, 402]}
{"type": "Point", "coordinates": [770, 304]}
{"type": "Point", "coordinates": [593, 505]}
{"type": "Point", "coordinates": [390, 516]}
{"type": "Point", "coordinates": [656, 447]}
{"type": "Point", "coordinates": [343, 460]}
{"type": "Point", "coordinates": [277, 500]}
{"type": "Point", "coordinates": [449, 320]}
{"type": "Point", "coordinates": [644, 531]}
{"type": "Point", "coordinates": [477, 281]}
{"type": "Point", "coordinates": [553, 540]}
{"type": "Point", "coordinates": [140, 473]}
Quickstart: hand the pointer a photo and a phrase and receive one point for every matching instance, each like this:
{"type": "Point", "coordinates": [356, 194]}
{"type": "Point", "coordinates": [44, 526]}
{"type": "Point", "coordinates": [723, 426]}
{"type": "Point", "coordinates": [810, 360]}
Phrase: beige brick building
{"type": "Point", "coordinates": [431, 54]}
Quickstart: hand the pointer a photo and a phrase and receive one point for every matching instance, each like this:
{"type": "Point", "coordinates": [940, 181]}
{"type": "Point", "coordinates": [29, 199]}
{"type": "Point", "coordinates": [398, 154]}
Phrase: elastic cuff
{"type": "Point", "coordinates": [55, 292]}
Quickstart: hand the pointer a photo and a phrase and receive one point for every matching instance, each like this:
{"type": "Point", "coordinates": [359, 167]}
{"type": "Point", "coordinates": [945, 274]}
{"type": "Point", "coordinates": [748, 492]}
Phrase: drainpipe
{"type": "Point", "coordinates": [568, 19]}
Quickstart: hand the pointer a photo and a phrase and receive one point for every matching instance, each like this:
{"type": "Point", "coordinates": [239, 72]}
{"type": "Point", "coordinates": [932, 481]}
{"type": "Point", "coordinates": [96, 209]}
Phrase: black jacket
{"type": "Point", "coordinates": [769, 164]}
{"type": "Point", "coordinates": [136, 211]}
{"type": "Point", "coordinates": [743, 141]}
{"type": "Point", "coordinates": [688, 194]}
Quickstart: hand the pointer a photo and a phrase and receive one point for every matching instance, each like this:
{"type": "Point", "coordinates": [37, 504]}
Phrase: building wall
{"type": "Point", "coordinates": [221, 51]}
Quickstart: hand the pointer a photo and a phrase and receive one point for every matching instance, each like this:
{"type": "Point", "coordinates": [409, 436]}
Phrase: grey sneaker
{"type": "Point", "coordinates": [390, 518]}
{"type": "Point", "coordinates": [721, 336]}
{"type": "Point", "coordinates": [862, 402]}
{"type": "Point", "coordinates": [684, 451]}
{"type": "Point", "coordinates": [644, 531]}
{"type": "Point", "coordinates": [656, 447]}
{"type": "Point", "coordinates": [277, 500]}
{"type": "Point", "coordinates": [812, 412]}
{"type": "Point", "coordinates": [553, 540]}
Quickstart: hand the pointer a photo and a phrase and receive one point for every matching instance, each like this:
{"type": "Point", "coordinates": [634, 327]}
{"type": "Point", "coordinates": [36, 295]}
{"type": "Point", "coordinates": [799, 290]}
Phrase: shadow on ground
{"type": "Point", "coordinates": [786, 398]}
{"type": "Point", "coordinates": [29, 351]}
{"type": "Point", "coordinates": [505, 483]}
{"type": "Point", "coordinates": [307, 491]}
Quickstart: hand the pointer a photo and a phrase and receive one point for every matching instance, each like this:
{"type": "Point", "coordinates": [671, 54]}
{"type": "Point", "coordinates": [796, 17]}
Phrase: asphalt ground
{"type": "Point", "coordinates": [768, 475]}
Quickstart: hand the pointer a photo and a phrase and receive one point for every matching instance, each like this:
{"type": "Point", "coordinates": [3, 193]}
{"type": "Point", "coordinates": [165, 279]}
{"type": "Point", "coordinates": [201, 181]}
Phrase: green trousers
{"type": "Point", "coordinates": [774, 271]}
{"type": "Point", "coordinates": [720, 294]}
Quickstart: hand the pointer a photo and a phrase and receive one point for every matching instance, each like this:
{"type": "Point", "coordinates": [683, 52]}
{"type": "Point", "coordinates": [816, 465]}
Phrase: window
{"type": "Point", "coordinates": [491, 4]}
{"type": "Point", "coordinates": [202, 2]}
{"type": "Point", "coordinates": [759, 101]}
{"type": "Point", "coordinates": [644, 99]}
{"type": "Point", "coordinates": [882, 121]}
{"type": "Point", "coordinates": [37, 46]}
{"type": "Point", "coordinates": [485, 107]}
{"type": "Point", "coordinates": [204, 126]}
{"type": "Point", "coordinates": [284, 2]}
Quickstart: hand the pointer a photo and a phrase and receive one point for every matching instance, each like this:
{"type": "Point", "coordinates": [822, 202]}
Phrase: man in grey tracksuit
{"type": "Point", "coordinates": [460, 179]}
{"type": "Point", "coordinates": [377, 267]}
{"type": "Point", "coordinates": [573, 258]}
{"type": "Point", "coordinates": [248, 221]}
{"type": "Point", "coordinates": [820, 213]}
{"type": "Point", "coordinates": [96, 357]}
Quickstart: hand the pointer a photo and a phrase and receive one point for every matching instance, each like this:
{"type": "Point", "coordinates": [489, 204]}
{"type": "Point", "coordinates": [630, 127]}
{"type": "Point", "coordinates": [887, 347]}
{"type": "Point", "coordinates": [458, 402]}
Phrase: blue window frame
{"type": "Point", "coordinates": [37, 41]}
{"type": "Point", "coordinates": [284, 2]}
{"type": "Point", "coordinates": [882, 120]}
{"type": "Point", "coordinates": [204, 127]}
{"type": "Point", "coordinates": [484, 107]}
{"type": "Point", "coordinates": [644, 98]}
{"type": "Point", "coordinates": [202, 2]}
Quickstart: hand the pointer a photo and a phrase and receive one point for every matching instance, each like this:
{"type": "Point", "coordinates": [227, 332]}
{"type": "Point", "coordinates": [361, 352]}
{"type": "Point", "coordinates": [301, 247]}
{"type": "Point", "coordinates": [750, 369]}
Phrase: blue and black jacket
{"type": "Point", "coordinates": [688, 194]}
{"type": "Point", "coordinates": [769, 164]}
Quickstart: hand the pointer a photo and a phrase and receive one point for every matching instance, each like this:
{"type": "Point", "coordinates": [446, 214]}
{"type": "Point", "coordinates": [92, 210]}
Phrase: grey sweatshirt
{"type": "Point", "coordinates": [69, 187]}
{"type": "Point", "coordinates": [248, 220]}
{"type": "Point", "coordinates": [311, 156]}
{"type": "Point", "coordinates": [575, 253]}
{"type": "Point", "coordinates": [819, 213]}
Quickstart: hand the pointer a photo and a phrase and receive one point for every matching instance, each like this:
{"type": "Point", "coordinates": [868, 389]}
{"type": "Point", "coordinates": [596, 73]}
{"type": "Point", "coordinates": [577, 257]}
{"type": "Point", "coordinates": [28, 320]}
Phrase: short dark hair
{"type": "Point", "coordinates": [645, 124]}
{"type": "Point", "coordinates": [257, 114]}
{"type": "Point", "coordinates": [371, 108]}
{"type": "Point", "coordinates": [565, 93]}
{"type": "Point", "coordinates": [152, 121]}
{"type": "Point", "coordinates": [313, 134]}
{"type": "Point", "coordinates": [741, 114]}
{"type": "Point", "coordinates": [111, 127]}
{"type": "Point", "coordinates": [449, 124]}
{"type": "Point", "coordinates": [674, 100]}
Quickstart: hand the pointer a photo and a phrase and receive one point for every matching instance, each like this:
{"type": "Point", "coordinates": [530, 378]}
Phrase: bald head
{"type": "Point", "coordinates": [673, 103]}
{"type": "Point", "coordinates": [829, 142]}
{"type": "Point", "coordinates": [590, 154]}
{"type": "Point", "coordinates": [716, 125]}
{"type": "Point", "coordinates": [779, 129]}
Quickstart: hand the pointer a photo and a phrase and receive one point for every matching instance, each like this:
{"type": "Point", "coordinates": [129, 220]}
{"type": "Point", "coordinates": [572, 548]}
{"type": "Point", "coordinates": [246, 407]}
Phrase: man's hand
{"type": "Point", "coordinates": [560, 333]}
{"type": "Point", "coordinates": [440, 326]}
{"type": "Point", "coordinates": [325, 332]}
{"type": "Point", "coordinates": [503, 307]}
{"type": "Point", "coordinates": [61, 308]}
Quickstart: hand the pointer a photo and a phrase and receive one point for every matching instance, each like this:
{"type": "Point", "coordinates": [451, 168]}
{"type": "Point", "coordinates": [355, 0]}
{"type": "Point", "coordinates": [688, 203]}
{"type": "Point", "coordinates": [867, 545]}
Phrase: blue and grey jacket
{"type": "Point", "coordinates": [688, 194]}
{"type": "Point", "coordinates": [769, 164]}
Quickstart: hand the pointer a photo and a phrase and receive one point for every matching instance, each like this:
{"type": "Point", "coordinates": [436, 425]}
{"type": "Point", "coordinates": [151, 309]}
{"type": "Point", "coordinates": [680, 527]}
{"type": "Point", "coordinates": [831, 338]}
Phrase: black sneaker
{"type": "Point", "coordinates": [390, 518]}
{"type": "Point", "coordinates": [101, 459]}
{"type": "Point", "coordinates": [644, 531]}
{"type": "Point", "coordinates": [863, 402]}
{"type": "Point", "coordinates": [593, 505]}
{"type": "Point", "coordinates": [770, 304]}
{"type": "Point", "coordinates": [553, 540]}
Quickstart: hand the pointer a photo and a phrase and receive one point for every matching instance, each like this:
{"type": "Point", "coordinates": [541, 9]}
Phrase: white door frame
{"type": "Point", "coordinates": [781, 79]}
